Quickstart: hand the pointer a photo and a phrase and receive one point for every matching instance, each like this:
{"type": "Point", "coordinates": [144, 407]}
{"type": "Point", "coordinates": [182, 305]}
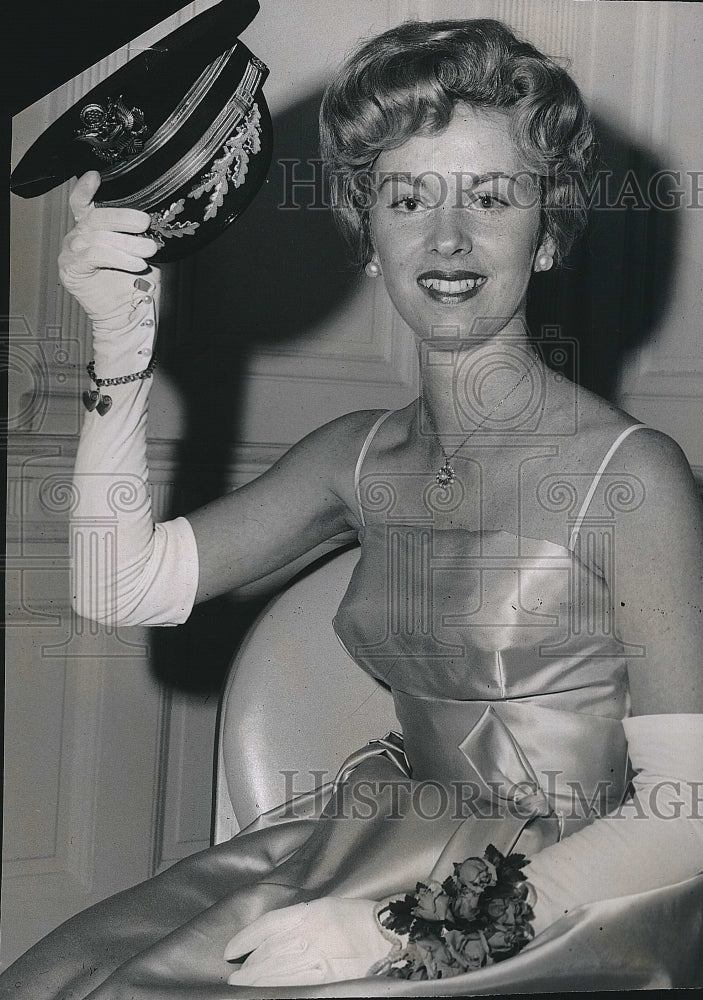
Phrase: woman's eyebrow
{"type": "Point", "coordinates": [399, 176]}
{"type": "Point", "coordinates": [488, 176]}
{"type": "Point", "coordinates": [404, 177]}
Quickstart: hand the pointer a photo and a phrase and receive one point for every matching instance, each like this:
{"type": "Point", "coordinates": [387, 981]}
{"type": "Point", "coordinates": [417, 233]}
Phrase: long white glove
{"type": "Point", "coordinates": [125, 569]}
{"type": "Point", "coordinates": [324, 941]}
{"type": "Point", "coordinates": [656, 840]}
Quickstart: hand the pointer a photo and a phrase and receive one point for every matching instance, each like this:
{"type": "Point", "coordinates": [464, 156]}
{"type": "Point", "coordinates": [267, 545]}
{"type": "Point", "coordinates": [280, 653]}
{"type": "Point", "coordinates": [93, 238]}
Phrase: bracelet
{"type": "Point", "coordinates": [95, 400]}
{"type": "Point", "coordinates": [121, 379]}
{"type": "Point", "coordinates": [478, 916]}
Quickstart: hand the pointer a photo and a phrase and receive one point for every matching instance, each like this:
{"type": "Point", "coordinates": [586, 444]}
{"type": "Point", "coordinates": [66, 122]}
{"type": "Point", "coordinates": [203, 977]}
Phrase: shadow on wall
{"type": "Point", "coordinates": [612, 292]}
{"type": "Point", "coordinates": [276, 273]}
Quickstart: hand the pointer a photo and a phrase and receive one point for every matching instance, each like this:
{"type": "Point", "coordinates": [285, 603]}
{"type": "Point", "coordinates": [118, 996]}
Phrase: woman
{"type": "Point", "coordinates": [525, 663]}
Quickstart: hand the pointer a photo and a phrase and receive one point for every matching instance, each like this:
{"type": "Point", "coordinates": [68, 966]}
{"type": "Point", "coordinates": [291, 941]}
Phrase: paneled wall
{"type": "Point", "coordinates": [265, 335]}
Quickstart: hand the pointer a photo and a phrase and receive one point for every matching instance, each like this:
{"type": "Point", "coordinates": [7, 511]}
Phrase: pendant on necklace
{"type": "Point", "coordinates": [445, 477]}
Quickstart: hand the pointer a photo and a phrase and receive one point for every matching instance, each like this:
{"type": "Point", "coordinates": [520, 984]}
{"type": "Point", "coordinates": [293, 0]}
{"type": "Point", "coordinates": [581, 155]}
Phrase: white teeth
{"type": "Point", "coordinates": [451, 287]}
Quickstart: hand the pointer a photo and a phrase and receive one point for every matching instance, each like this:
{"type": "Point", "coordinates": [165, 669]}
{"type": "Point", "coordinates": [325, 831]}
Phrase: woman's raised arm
{"type": "Point", "coordinates": [126, 570]}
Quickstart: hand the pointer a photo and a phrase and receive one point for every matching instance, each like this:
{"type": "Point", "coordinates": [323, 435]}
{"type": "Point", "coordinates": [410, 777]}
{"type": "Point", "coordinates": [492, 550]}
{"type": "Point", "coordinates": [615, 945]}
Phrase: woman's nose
{"type": "Point", "coordinates": [451, 235]}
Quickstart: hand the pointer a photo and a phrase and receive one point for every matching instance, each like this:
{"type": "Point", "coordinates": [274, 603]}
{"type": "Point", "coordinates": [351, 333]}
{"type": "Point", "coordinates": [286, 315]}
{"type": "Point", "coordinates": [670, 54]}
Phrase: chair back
{"type": "Point", "coordinates": [294, 704]}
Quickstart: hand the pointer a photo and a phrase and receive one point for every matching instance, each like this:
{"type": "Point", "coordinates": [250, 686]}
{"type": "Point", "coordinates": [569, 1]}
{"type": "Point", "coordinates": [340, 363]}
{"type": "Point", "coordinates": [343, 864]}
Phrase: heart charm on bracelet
{"type": "Point", "coordinates": [104, 405]}
{"type": "Point", "coordinates": [90, 400]}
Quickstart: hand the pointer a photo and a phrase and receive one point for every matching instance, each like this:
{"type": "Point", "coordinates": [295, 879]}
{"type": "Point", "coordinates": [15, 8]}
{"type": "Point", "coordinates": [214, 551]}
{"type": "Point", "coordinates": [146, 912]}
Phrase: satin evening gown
{"type": "Point", "coordinates": [510, 688]}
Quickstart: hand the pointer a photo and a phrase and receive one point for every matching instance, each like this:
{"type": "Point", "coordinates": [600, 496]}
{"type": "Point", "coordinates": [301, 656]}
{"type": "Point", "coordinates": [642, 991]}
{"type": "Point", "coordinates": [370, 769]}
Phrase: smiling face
{"type": "Point", "coordinates": [455, 227]}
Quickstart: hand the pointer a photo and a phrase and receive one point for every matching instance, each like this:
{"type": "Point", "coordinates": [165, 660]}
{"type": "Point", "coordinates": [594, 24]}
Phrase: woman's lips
{"type": "Point", "coordinates": [451, 287]}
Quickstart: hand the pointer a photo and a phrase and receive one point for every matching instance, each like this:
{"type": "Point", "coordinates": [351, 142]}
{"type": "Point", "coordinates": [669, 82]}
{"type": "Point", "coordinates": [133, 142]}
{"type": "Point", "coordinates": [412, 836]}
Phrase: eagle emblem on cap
{"type": "Point", "coordinates": [115, 132]}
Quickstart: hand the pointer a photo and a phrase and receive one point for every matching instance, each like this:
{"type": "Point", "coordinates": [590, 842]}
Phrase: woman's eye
{"type": "Point", "coordinates": [484, 201]}
{"type": "Point", "coordinates": [407, 204]}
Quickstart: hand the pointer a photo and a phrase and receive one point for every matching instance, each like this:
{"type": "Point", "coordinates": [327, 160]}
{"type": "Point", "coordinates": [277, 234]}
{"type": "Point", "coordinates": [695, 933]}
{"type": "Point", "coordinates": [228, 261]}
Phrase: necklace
{"type": "Point", "coordinates": [446, 474]}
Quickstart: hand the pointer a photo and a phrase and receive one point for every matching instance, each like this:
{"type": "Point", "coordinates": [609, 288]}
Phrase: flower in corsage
{"type": "Point", "coordinates": [432, 902]}
{"type": "Point", "coordinates": [510, 927]}
{"type": "Point", "coordinates": [432, 959]}
{"type": "Point", "coordinates": [465, 903]}
{"type": "Point", "coordinates": [470, 951]}
{"type": "Point", "coordinates": [477, 873]}
{"type": "Point", "coordinates": [477, 916]}
{"type": "Point", "coordinates": [469, 881]}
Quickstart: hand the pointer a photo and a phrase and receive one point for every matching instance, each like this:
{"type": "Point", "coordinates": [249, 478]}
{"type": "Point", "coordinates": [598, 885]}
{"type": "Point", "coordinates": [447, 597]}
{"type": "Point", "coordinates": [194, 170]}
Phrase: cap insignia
{"type": "Point", "coordinates": [115, 132]}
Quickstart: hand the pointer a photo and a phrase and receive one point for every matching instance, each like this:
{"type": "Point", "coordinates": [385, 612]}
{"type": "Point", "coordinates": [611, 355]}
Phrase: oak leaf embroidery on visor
{"type": "Point", "coordinates": [162, 223]}
{"type": "Point", "coordinates": [229, 168]}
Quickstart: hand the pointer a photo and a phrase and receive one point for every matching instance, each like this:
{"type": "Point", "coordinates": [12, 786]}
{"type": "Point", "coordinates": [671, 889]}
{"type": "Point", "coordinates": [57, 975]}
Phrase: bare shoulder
{"type": "Point", "coordinates": [651, 460]}
{"type": "Point", "coordinates": [341, 438]}
{"type": "Point", "coordinates": [645, 449]}
{"type": "Point", "coordinates": [355, 425]}
{"type": "Point", "coordinates": [655, 455]}
{"type": "Point", "coordinates": [334, 447]}
{"type": "Point", "coordinates": [659, 464]}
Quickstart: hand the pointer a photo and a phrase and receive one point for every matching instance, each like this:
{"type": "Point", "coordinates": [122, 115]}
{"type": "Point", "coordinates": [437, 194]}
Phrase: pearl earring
{"type": "Point", "coordinates": [544, 262]}
{"type": "Point", "coordinates": [373, 269]}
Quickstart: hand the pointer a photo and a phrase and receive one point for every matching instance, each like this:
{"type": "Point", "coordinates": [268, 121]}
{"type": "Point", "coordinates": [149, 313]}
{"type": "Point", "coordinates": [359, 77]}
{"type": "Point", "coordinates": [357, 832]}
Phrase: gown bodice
{"type": "Point", "coordinates": [501, 654]}
{"type": "Point", "coordinates": [482, 615]}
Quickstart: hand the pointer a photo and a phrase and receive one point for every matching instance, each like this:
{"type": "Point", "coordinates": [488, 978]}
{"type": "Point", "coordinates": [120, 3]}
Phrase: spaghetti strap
{"type": "Point", "coordinates": [360, 460]}
{"type": "Point", "coordinates": [598, 476]}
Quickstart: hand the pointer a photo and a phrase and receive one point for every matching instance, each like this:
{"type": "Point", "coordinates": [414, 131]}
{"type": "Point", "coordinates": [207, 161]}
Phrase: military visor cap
{"type": "Point", "coordinates": [182, 131]}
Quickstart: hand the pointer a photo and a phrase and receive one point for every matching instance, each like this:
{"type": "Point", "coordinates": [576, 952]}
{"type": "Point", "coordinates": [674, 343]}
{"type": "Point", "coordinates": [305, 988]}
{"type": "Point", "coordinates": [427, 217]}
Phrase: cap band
{"type": "Point", "coordinates": [179, 117]}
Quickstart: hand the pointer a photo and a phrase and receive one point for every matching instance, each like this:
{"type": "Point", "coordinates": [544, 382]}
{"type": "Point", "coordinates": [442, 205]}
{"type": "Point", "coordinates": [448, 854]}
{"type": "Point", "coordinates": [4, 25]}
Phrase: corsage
{"type": "Point", "coordinates": [478, 916]}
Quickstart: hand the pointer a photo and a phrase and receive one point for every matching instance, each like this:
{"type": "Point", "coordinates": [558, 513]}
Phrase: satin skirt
{"type": "Point", "coordinates": [164, 939]}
